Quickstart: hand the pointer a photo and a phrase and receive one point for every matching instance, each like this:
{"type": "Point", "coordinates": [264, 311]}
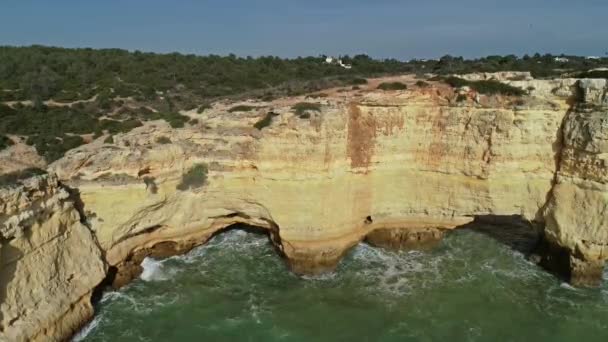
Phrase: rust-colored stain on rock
{"type": "Point", "coordinates": [361, 136]}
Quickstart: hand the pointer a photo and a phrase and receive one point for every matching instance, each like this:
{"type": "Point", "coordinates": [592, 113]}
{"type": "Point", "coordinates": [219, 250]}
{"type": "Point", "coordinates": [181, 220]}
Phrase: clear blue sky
{"type": "Point", "coordinates": [381, 28]}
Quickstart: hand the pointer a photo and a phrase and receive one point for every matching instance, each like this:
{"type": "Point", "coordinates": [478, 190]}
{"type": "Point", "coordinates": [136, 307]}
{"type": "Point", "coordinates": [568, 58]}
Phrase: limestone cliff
{"type": "Point", "coordinates": [393, 167]}
{"type": "Point", "coordinates": [577, 212]}
{"type": "Point", "coordinates": [49, 262]}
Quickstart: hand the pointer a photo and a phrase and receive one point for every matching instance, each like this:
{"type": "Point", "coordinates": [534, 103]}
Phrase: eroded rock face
{"type": "Point", "coordinates": [397, 168]}
{"type": "Point", "coordinates": [409, 160]}
{"type": "Point", "coordinates": [49, 263]}
{"type": "Point", "coordinates": [577, 211]}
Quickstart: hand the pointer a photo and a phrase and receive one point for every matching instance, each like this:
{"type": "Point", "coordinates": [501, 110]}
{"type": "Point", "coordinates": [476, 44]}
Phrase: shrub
{"type": "Point", "coordinates": [392, 86]}
{"type": "Point", "coordinates": [150, 183]}
{"type": "Point", "coordinates": [116, 126]}
{"type": "Point", "coordinates": [194, 178]}
{"type": "Point", "coordinates": [203, 107]}
{"type": "Point", "coordinates": [193, 122]}
{"type": "Point", "coordinates": [5, 142]}
{"type": "Point", "coordinates": [11, 179]}
{"type": "Point", "coordinates": [176, 120]}
{"type": "Point", "coordinates": [163, 140]}
{"type": "Point", "coordinates": [488, 87]}
{"type": "Point", "coordinates": [53, 148]}
{"type": "Point", "coordinates": [301, 109]}
{"type": "Point", "coordinates": [421, 84]}
{"type": "Point", "coordinates": [242, 108]}
{"type": "Point", "coordinates": [316, 96]}
{"type": "Point", "coordinates": [593, 74]}
{"type": "Point", "coordinates": [461, 98]}
{"type": "Point", "coordinates": [109, 140]}
{"type": "Point", "coordinates": [359, 81]}
{"type": "Point", "coordinates": [266, 121]}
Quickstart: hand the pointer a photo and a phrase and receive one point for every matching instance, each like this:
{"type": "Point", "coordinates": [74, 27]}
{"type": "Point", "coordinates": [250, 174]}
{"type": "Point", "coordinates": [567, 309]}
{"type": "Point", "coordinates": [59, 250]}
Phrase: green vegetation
{"type": "Point", "coordinates": [422, 84]}
{"type": "Point", "coordinates": [163, 140]}
{"type": "Point", "coordinates": [359, 81]}
{"type": "Point", "coordinates": [540, 66]}
{"type": "Point", "coordinates": [53, 148]}
{"type": "Point", "coordinates": [485, 87]}
{"type": "Point", "coordinates": [301, 109]}
{"type": "Point", "coordinates": [130, 88]}
{"type": "Point", "coordinates": [392, 86]}
{"type": "Point", "coordinates": [317, 96]}
{"type": "Point", "coordinates": [242, 108]}
{"type": "Point", "coordinates": [194, 178]}
{"type": "Point", "coordinates": [13, 178]}
{"type": "Point", "coordinates": [461, 98]}
{"type": "Point", "coordinates": [5, 142]}
{"type": "Point", "coordinates": [265, 121]}
{"type": "Point", "coordinates": [594, 74]}
{"type": "Point", "coordinates": [203, 107]}
{"type": "Point", "coordinates": [109, 140]}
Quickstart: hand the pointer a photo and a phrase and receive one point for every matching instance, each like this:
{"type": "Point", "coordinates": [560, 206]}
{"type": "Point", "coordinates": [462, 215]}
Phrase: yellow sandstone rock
{"type": "Point", "coordinates": [395, 167]}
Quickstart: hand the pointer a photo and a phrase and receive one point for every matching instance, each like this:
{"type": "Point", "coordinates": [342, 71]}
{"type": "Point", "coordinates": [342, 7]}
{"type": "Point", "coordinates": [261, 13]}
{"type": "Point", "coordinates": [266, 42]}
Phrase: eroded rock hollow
{"type": "Point", "coordinates": [398, 168]}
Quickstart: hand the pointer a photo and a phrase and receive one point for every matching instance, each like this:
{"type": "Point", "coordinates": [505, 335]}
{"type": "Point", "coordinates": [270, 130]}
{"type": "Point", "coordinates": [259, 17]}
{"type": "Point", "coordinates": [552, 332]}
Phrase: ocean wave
{"type": "Point", "coordinates": [152, 270]}
{"type": "Point", "coordinates": [391, 272]}
{"type": "Point", "coordinates": [87, 329]}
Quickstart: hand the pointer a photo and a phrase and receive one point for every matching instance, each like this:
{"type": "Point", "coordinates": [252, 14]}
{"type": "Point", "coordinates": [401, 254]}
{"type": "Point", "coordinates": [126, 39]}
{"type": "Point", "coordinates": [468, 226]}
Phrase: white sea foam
{"type": "Point", "coordinates": [567, 286]}
{"type": "Point", "coordinates": [393, 272]}
{"type": "Point", "coordinates": [84, 332]}
{"type": "Point", "coordinates": [153, 270]}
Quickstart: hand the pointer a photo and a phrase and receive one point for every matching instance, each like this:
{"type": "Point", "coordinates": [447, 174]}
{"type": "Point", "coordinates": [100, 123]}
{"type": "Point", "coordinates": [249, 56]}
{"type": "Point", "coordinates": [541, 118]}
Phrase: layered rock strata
{"type": "Point", "coordinates": [397, 168]}
{"type": "Point", "coordinates": [50, 263]}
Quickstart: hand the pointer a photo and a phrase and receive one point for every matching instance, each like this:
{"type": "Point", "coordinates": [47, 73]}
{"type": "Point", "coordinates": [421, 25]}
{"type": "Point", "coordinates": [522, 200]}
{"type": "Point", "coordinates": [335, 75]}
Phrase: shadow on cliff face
{"type": "Point", "coordinates": [511, 230]}
{"type": "Point", "coordinates": [9, 256]}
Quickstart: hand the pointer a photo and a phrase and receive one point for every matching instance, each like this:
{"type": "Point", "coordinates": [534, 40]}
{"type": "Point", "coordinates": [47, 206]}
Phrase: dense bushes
{"type": "Point", "coordinates": [170, 82]}
{"type": "Point", "coordinates": [40, 73]}
{"type": "Point", "coordinates": [194, 178]}
{"type": "Point", "coordinates": [392, 86]}
{"type": "Point", "coordinates": [53, 148]}
{"type": "Point", "coordinates": [488, 87]}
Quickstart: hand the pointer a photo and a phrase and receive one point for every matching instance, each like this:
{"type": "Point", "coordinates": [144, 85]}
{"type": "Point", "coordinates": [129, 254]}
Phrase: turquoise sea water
{"type": "Point", "coordinates": [236, 288]}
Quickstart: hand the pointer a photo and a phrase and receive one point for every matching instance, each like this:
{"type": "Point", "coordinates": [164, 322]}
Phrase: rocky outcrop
{"type": "Point", "coordinates": [395, 168]}
{"type": "Point", "coordinates": [49, 263]}
{"type": "Point", "coordinates": [577, 211]}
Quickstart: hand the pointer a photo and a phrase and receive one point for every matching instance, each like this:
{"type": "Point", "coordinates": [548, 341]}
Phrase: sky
{"type": "Point", "coordinates": [288, 28]}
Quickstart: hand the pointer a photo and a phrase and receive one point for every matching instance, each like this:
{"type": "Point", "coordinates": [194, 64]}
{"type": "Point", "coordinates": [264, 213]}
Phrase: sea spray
{"type": "Point", "coordinates": [152, 270]}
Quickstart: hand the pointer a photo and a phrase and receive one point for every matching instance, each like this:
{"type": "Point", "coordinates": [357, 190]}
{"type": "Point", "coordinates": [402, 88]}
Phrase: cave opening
{"type": "Point", "coordinates": [514, 231]}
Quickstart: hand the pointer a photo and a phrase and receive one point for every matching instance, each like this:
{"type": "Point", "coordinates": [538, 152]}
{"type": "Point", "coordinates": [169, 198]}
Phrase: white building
{"type": "Point", "coordinates": [332, 60]}
{"type": "Point", "coordinates": [345, 66]}
{"type": "Point", "coordinates": [561, 59]}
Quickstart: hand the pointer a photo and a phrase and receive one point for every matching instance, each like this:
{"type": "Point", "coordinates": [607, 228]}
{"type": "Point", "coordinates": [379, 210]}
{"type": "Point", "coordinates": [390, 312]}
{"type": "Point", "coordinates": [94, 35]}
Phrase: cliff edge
{"type": "Point", "coordinates": [320, 175]}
